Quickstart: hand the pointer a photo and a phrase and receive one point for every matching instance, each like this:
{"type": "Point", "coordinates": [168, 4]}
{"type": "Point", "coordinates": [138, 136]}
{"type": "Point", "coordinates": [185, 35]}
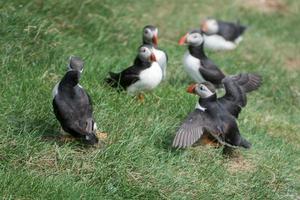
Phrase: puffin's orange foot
{"type": "Point", "coordinates": [67, 138]}
{"type": "Point", "coordinates": [141, 97]}
{"type": "Point", "coordinates": [101, 135]}
{"type": "Point", "coordinates": [206, 140]}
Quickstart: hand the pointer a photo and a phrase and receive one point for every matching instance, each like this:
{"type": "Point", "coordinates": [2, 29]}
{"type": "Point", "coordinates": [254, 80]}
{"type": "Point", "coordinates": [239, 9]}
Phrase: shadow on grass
{"type": "Point", "coordinates": [166, 145]}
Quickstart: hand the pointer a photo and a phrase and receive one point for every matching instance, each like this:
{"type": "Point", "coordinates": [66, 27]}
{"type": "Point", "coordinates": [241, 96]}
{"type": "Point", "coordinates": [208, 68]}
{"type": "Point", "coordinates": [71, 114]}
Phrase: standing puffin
{"type": "Point", "coordinates": [73, 106]}
{"type": "Point", "coordinates": [217, 116]}
{"type": "Point", "coordinates": [150, 36]}
{"type": "Point", "coordinates": [220, 35]}
{"type": "Point", "coordinates": [198, 66]}
{"type": "Point", "coordinates": [145, 74]}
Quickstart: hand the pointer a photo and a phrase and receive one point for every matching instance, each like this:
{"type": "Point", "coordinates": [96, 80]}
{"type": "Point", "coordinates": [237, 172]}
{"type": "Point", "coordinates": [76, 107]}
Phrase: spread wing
{"type": "Point", "coordinates": [192, 128]}
{"type": "Point", "coordinates": [211, 72]}
{"type": "Point", "coordinates": [236, 88]}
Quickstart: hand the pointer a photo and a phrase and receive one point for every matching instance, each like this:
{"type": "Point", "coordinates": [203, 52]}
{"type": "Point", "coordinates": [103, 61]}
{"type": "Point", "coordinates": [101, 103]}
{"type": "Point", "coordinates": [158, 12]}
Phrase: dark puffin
{"type": "Point", "coordinates": [145, 74]}
{"type": "Point", "coordinates": [150, 36]}
{"type": "Point", "coordinates": [198, 66]}
{"type": "Point", "coordinates": [217, 116]}
{"type": "Point", "coordinates": [221, 35]}
{"type": "Point", "coordinates": [73, 106]}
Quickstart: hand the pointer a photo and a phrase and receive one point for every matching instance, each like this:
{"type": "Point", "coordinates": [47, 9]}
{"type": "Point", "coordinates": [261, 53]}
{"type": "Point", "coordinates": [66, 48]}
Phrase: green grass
{"type": "Point", "coordinates": [36, 39]}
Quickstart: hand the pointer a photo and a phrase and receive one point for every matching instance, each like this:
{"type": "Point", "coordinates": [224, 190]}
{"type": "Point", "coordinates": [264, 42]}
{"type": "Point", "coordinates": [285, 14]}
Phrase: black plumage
{"type": "Point", "coordinates": [73, 106]}
{"type": "Point", "coordinates": [217, 116]}
{"type": "Point", "coordinates": [230, 31]}
{"type": "Point", "coordinates": [129, 75]}
{"type": "Point", "coordinates": [208, 69]}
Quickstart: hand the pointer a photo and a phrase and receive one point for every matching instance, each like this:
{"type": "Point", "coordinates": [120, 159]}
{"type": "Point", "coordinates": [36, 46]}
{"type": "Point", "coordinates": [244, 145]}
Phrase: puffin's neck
{"type": "Point", "coordinates": [204, 102]}
{"type": "Point", "coordinates": [141, 63]}
{"type": "Point", "coordinates": [149, 43]}
{"type": "Point", "coordinates": [70, 80]}
{"type": "Point", "coordinates": [197, 51]}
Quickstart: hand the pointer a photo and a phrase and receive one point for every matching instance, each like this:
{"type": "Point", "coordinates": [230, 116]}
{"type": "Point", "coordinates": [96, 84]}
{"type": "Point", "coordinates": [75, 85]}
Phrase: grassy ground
{"type": "Point", "coordinates": [36, 39]}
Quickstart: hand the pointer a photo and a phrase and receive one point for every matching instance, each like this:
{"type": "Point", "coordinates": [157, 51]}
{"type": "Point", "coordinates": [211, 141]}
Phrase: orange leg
{"type": "Point", "coordinates": [141, 97]}
{"type": "Point", "coordinates": [208, 140]}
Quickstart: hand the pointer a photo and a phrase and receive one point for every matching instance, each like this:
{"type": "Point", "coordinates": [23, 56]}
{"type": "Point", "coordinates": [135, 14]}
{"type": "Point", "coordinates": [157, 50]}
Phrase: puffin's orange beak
{"type": "Point", "coordinates": [152, 57]}
{"type": "Point", "coordinates": [204, 27]}
{"type": "Point", "coordinates": [182, 40]}
{"type": "Point", "coordinates": [155, 40]}
{"type": "Point", "coordinates": [191, 88]}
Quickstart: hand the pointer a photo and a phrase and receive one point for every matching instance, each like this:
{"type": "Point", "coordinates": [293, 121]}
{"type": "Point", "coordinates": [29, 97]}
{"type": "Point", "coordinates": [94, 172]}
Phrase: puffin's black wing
{"type": "Point", "coordinates": [211, 72]}
{"type": "Point", "coordinates": [124, 78]}
{"type": "Point", "coordinates": [230, 31]}
{"type": "Point", "coordinates": [129, 75]}
{"type": "Point", "coordinates": [236, 88]}
{"type": "Point", "coordinates": [192, 129]}
{"type": "Point", "coordinates": [74, 114]}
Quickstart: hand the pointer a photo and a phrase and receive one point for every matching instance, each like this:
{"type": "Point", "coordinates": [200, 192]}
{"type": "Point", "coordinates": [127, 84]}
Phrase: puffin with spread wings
{"type": "Point", "coordinates": [217, 117]}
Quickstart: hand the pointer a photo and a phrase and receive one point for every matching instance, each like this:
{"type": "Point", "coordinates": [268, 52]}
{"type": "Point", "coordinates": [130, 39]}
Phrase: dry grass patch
{"type": "Point", "coordinates": [239, 164]}
{"type": "Point", "coordinates": [265, 6]}
{"type": "Point", "coordinates": [292, 64]}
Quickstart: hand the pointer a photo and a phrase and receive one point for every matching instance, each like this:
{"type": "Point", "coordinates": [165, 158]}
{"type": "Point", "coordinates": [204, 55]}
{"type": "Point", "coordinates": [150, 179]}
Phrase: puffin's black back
{"type": "Point", "coordinates": [230, 31]}
{"type": "Point", "coordinates": [73, 108]}
{"type": "Point", "coordinates": [128, 76]}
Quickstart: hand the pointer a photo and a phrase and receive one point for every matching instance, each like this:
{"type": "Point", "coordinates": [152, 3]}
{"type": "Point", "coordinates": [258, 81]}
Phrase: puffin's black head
{"type": "Point", "coordinates": [146, 54]}
{"type": "Point", "coordinates": [192, 38]}
{"type": "Point", "coordinates": [75, 64]}
{"type": "Point", "coordinates": [150, 35]}
{"type": "Point", "coordinates": [209, 26]}
{"type": "Point", "coordinates": [204, 90]}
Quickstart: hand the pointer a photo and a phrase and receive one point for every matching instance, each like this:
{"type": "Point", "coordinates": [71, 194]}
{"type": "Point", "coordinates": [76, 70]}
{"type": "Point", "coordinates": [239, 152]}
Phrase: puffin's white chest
{"type": "Point", "coordinates": [217, 42]}
{"type": "Point", "coordinates": [191, 66]}
{"type": "Point", "coordinates": [149, 79]}
{"type": "Point", "coordinates": [55, 90]}
{"type": "Point", "coordinates": [161, 59]}
{"type": "Point", "coordinates": [198, 106]}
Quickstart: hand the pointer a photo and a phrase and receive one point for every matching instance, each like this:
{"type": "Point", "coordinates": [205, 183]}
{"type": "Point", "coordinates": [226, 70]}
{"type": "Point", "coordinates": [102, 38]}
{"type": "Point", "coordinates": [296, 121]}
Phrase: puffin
{"type": "Point", "coordinates": [72, 105]}
{"type": "Point", "coordinates": [150, 37]}
{"type": "Point", "coordinates": [221, 35]}
{"type": "Point", "coordinates": [197, 65]}
{"type": "Point", "coordinates": [217, 117]}
{"type": "Point", "coordinates": [144, 75]}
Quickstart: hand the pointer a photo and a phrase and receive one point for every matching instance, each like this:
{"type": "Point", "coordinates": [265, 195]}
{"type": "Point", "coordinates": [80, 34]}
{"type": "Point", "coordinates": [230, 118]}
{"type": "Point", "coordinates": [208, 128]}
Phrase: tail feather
{"type": "Point", "coordinates": [113, 79]}
{"type": "Point", "coordinates": [242, 28]}
{"type": "Point", "coordinates": [245, 143]}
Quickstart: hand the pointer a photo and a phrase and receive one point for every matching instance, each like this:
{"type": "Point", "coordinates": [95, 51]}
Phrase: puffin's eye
{"type": "Point", "coordinates": [201, 88]}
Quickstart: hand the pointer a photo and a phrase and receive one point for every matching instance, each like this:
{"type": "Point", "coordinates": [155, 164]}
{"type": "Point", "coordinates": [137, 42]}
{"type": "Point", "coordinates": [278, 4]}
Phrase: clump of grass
{"type": "Point", "coordinates": [36, 39]}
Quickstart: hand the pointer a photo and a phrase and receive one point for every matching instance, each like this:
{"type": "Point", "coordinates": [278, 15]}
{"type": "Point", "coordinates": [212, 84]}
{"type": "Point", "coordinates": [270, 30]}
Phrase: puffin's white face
{"type": "Point", "coordinates": [150, 35]}
{"type": "Point", "coordinates": [194, 39]}
{"type": "Point", "coordinates": [203, 91]}
{"type": "Point", "coordinates": [146, 54]}
{"type": "Point", "coordinates": [210, 26]}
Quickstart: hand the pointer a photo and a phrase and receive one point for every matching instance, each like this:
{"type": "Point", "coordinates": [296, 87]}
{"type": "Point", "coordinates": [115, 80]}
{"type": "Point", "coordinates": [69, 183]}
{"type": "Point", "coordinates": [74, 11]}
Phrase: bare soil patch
{"type": "Point", "coordinates": [292, 64]}
{"type": "Point", "coordinates": [239, 164]}
{"type": "Point", "coordinates": [265, 6]}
